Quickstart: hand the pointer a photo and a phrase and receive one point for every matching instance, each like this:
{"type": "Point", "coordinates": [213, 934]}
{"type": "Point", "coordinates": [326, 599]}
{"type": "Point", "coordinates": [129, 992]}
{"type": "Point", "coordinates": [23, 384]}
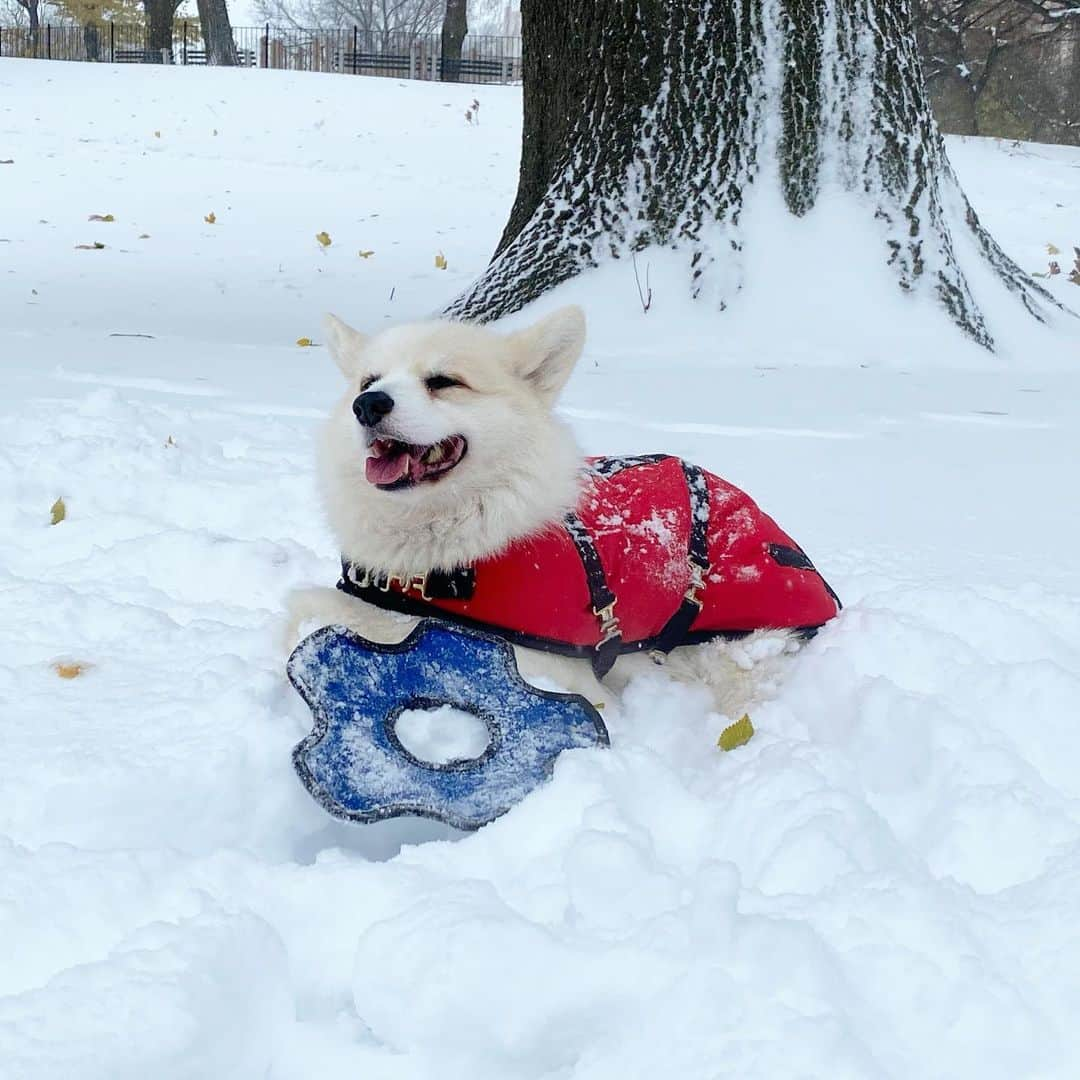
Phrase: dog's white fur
{"type": "Point", "coordinates": [520, 475]}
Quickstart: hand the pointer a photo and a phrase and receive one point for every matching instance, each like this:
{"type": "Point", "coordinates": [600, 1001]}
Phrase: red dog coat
{"type": "Point", "coordinates": [659, 553]}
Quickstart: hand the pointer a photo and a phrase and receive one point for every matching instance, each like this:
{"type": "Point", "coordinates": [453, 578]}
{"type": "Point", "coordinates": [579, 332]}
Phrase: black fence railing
{"type": "Point", "coordinates": [348, 51]}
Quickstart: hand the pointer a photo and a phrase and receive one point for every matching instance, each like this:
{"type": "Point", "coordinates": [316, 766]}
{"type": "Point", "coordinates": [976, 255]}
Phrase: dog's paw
{"type": "Point", "coordinates": [311, 609]}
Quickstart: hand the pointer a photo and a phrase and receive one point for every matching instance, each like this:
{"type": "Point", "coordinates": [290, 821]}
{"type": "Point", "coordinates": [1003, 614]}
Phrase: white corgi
{"type": "Point", "coordinates": [444, 451]}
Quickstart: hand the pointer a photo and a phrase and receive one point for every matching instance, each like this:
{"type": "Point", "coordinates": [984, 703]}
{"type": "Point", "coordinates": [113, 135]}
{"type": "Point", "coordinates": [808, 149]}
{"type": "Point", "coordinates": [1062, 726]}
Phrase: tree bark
{"type": "Point", "coordinates": [652, 122]}
{"type": "Point", "coordinates": [92, 41]}
{"type": "Point", "coordinates": [34, 18]}
{"type": "Point", "coordinates": [217, 33]}
{"type": "Point", "coordinates": [159, 24]}
{"type": "Point", "coordinates": [454, 28]}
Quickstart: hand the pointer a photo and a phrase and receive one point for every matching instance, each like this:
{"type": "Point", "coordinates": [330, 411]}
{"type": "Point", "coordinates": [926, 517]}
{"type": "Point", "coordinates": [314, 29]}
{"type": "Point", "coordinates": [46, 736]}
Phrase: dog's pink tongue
{"type": "Point", "coordinates": [386, 468]}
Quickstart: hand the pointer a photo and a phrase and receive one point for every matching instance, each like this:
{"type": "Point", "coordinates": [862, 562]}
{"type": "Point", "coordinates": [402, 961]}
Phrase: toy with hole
{"type": "Point", "coordinates": [354, 762]}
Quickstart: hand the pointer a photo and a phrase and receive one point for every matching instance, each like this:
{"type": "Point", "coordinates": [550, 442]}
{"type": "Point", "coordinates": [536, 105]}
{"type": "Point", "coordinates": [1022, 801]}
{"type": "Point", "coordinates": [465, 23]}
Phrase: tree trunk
{"type": "Point", "coordinates": [217, 33]}
{"type": "Point", "coordinates": [653, 122]}
{"type": "Point", "coordinates": [159, 24]}
{"type": "Point", "coordinates": [950, 82]}
{"type": "Point", "coordinates": [92, 41]}
{"type": "Point", "coordinates": [454, 28]}
{"type": "Point", "coordinates": [35, 26]}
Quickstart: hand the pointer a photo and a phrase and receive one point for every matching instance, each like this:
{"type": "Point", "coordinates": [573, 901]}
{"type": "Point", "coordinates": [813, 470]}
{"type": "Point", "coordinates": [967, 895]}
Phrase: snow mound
{"type": "Point", "coordinates": [882, 883]}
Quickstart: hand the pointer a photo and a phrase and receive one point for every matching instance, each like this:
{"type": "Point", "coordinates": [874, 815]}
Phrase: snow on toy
{"type": "Point", "coordinates": [355, 764]}
{"type": "Point", "coordinates": [658, 553]}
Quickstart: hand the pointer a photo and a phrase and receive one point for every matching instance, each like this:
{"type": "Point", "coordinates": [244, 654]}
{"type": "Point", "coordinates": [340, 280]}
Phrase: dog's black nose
{"type": "Point", "coordinates": [371, 406]}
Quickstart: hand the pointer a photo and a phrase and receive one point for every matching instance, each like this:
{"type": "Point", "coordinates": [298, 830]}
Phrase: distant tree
{"type": "Point", "coordinates": [454, 28]}
{"type": "Point", "coordinates": [34, 19]}
{"type": "Point", "coordinates": [1003, 67]}
{"type": "Point", "coordinates": [160, 15]}
{"type": "Point", "coordinates": [650, 123]}
{"type": "Point", "coordinates": [91, 16]}
{"type": "Point", "coordinates": [368, 16]}
{"type": "Point", "coordinates": [217, 33]}
{"type": "Point", "coordinates": [490, 16]}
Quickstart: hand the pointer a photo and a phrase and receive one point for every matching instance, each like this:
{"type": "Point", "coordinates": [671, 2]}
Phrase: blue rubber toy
{"type": "Point", "coordinates": [356, 767]}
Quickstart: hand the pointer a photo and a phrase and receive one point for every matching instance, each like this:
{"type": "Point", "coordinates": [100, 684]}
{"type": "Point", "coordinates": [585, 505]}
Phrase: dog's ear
{"type": "Point", "coordinates": [345, 344]}
{"type": "Point", "coordinates": [544, 355]}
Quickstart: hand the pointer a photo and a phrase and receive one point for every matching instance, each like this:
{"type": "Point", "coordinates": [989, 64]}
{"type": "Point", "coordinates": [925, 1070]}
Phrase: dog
{"type": "Point", "coordinates": [445, 451]}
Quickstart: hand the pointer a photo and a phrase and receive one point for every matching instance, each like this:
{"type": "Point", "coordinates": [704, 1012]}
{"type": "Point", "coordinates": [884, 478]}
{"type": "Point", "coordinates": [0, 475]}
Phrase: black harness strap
{"type": "Point", "coordinates": [612, 466]}
{"type": "Point", "coordinates": [677, 629]}
{"type": "Point", "coordinates": [600, 596]}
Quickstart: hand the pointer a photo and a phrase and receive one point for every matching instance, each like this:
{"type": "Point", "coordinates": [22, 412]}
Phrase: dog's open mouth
{"type": "Point", "coordinates": [393, 464]}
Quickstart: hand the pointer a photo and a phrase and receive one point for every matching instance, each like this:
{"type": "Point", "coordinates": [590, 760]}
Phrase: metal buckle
{"type": "Point", "coordinates": [609, 624]}
{"type": "Point", "coordinates": [697, 582]}
{"type": "Point", "coordinates": [418, 582]}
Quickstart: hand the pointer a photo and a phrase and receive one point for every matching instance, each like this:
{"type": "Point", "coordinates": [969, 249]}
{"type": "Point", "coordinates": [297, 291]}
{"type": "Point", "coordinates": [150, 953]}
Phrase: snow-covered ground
{"type": "Point", "coordinates": [884, 883]}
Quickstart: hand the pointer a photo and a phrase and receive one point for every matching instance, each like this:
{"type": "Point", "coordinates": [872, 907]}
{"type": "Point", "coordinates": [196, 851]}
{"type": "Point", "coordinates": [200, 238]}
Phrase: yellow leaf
{"type": "Point", "coordinates": [210, 218]}
{"type": "Point", "coordinates": [739, 734]}
{"type": "Point", "coordinates": [323, 238]}
{"type": "Point", "coordinates": [303, 342]}
{"type": "Point", "coordinates": [1051, 250]}
{"type": "Point", "coordinates": [366, 254]}
{"type": "Point", "coordinates": [440, 261]}
{"type": "Point", "coordinates": [101, 217]}
{"type": "Point", "coordinates": [58, 511]}
{"type": "Point", "coordinates": [69, 669]}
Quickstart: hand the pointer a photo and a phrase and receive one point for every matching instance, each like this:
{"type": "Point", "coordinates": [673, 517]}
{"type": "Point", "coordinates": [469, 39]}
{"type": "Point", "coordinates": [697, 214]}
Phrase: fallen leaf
{"type": "Point", "coordinates": [1051, 250]}
{"type": "Point", "coordinates": [101, 217]}
{"type": "Point", "coordinates": [69, 669]}
{"type": "Point", "coordinates": [365, 254]}
{"type": "Point", "coordinates": [157, 134]}
{"type": "Point", "coordinates": [97, 245]}
{"type": "Point", "coordinates": [324, 238]}
{"type": "Point", "coordinates": [303, 342]}
{"type": "Point", "coordinates": [58, 511]}
{"type": "Point", "coordinates": [170, 441]}
{"type": "Point", "coordinates": [739, 734]}
{"type": "Point", "coordinates": [7, 161]}
{"type": "Point", "coordinates": [144, 236]}
{"type": "Point", "coordinates": [215, 131]}
{"type": "Point", "coordinates": [210, 218]}
{"type": "Point", "coordinates": [440, 261]}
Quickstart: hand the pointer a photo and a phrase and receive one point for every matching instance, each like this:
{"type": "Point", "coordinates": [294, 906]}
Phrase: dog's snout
{"type": "Point", "coordinates": [371, 406]}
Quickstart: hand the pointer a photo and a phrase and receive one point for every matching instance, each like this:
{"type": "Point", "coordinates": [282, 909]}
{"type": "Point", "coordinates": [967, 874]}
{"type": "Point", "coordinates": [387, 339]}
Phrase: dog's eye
{"type": "Point", "coordinates": [441, 382]}
{"type": "Point", "coordinates": [367, 381]}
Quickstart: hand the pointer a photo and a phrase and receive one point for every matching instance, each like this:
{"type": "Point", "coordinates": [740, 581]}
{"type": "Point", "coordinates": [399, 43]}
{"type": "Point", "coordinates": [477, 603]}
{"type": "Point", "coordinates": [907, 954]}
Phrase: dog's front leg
{"type": "Point", "coordinates": [310, 609]}
{"type": "Point", "coordinates": [549, 671]}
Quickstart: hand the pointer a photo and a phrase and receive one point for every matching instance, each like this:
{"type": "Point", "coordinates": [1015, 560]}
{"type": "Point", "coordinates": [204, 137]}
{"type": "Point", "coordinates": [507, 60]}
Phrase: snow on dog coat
{"type": "Point", "coordinates": [659, 553]}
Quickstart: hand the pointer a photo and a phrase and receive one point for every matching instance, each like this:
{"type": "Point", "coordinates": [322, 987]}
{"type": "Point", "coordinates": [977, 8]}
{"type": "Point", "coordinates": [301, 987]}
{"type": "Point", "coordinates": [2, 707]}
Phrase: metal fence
{"type": "Point", "coordinates": [349, 51]}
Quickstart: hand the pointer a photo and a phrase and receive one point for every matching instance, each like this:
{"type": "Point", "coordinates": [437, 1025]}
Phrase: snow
{"type": "Point", "coordinates": [882, 883]}
{"type": "Point", "coordinates": [441, 735]}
